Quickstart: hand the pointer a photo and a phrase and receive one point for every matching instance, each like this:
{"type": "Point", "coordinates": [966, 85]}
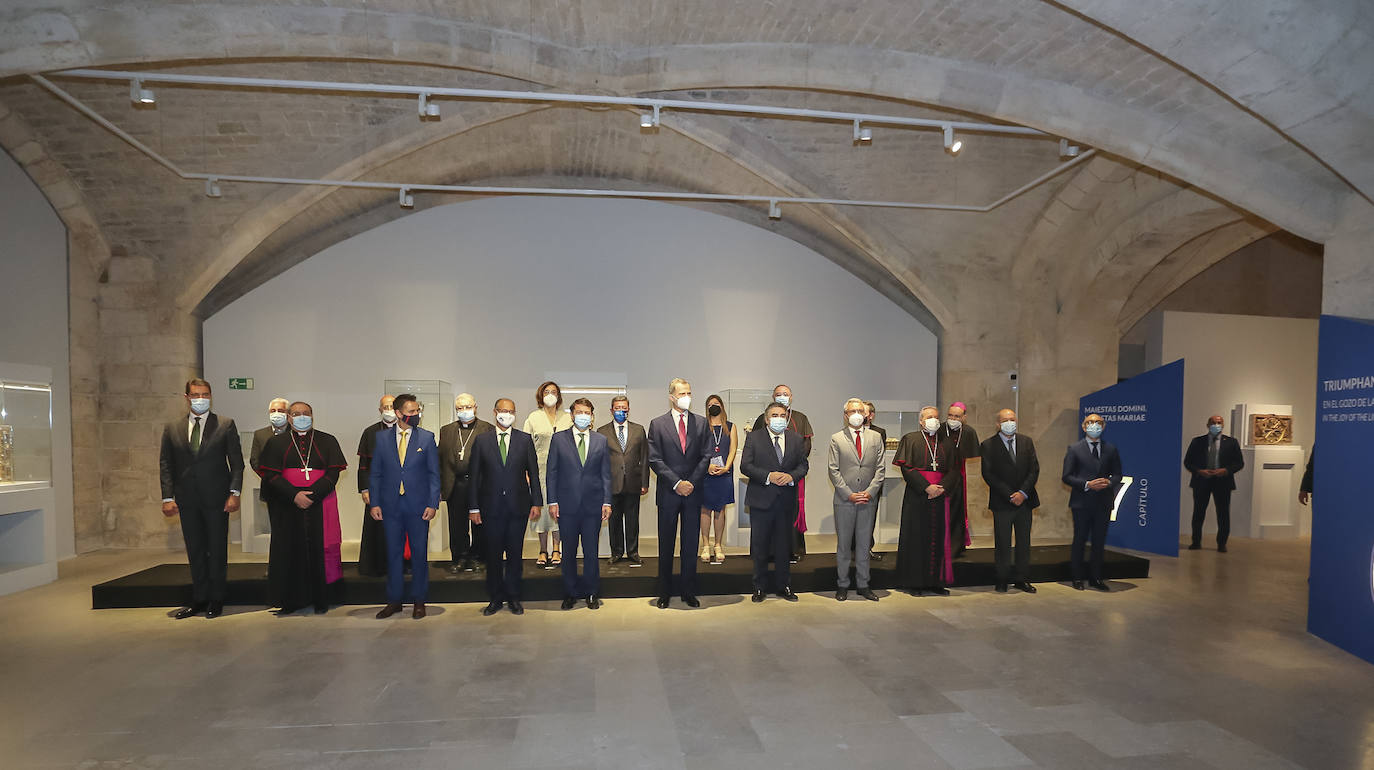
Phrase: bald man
{"type": "Point", "coordinates": [1214, 459]}
{"type": "Point", "coordinates": [1010, 469]}
{"type": "Point", "coordinates": [372, 548]}
{"type": "Point", "coordinates": [455, 456]}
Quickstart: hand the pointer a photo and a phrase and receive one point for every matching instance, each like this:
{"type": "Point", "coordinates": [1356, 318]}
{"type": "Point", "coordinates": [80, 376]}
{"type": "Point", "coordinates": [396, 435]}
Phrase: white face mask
{"type": "Point", "coordinates": [550, 400]}
{"type": "Point", "coordinates": [954, 423]}
{"type": "Point", "coordinates": [856, 419]}
{"type": "Point", "coordinates": [784, 400]}
{"type": "Point", "coordinates": [277, 419]}
{"type": "Point", "coordinates": [200, 405]}
{"type": "Point", "coordinates": [684, 403]}
{"type": "Point", "coordinates": [1009, 427]}
{"type": "Point", "coordinates": [931, 424]}
{"type": "Point", "coordinates": [466, 415]}
{"type": "Point", "coordinates": [505, 419]}
{"type": "Point", "coordinates": [389, 416]}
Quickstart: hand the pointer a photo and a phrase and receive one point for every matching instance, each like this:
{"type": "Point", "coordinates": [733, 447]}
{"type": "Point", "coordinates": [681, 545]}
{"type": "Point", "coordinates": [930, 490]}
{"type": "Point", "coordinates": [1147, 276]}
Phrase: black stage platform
{"type": "Point", "coordinates": [168, 585]}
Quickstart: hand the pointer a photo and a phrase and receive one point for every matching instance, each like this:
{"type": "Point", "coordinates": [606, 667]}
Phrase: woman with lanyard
{"type": "Point", "coordinates": [542, 423]}
{"type": "Point", "coordinates": [718, 490]}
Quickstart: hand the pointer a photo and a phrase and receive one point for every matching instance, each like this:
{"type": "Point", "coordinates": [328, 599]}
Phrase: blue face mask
{"type": "Point", "coordinates": [1009, 427]}
{"type": "Point", "coordinates": [777, 424]}
{"type": "Point", "coordinates": [621, 415]}
{"type": "Point", "coordinates": [301, 422]}
{"type": "Point", "coordinates": [582, 421]}
{"type": "Point", "coordinates": [1214, 429]}
{"type": "Point", "coordinates": [200, 405]}
{"type": "Point", "coordinates": [1094, 430]}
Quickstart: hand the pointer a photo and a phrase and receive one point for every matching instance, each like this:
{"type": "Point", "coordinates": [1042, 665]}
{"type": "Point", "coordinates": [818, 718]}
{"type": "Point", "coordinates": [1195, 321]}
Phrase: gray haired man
{"type": "Point", "coordinates": [856, 471]}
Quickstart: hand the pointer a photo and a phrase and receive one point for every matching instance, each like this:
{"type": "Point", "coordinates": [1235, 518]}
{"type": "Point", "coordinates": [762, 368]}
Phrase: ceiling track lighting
{"type": "Point", "coordinates": [405, 199]}
{"type": "Point", "coordinates": [212, 188]}
{"type": "Point", "coordinates": [1067, 150]}
{"type": "Point", "coordinates": [428, 110]}
{"type": "Point", "coordinates": [774, 210]}
{"type": "Point", "coordinates": [862, 134]}
{"type": "Point", "coordinates": [140, 96]}
{"type": "Point", "coordinates": [648, 121]}
{"type": "Point", "coordinates": [952, 145]}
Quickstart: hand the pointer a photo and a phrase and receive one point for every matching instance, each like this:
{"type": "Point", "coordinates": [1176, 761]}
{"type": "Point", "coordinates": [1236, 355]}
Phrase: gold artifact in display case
{"type": "Point", "coordinates": [1271, 429]}
{"type": "Point", "coordinates": [25, 434]}
{"type": "Point", "coordinates": [6, 454]}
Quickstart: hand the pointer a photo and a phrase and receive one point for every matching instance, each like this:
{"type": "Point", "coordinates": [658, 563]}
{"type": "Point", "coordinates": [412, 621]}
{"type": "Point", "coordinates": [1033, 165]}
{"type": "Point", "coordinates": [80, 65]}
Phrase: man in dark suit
{"type": "Point", "coordinates": [872, 411]}
{"type": "Point", "coordinates": [202, 472]}
{"type": "Point", "coordinates": [1214, 459]}
{"type": "Point", "coordinates": [678, 455]}
{"type": "Point", "coordinates": [1010, 469]}
{"type": "Point", "coordinates": [1305, 486]}
{"type": "Point", "coordinates": [276, 425]}
{"type": "Point", "coordinates": [372, 542]}
{"type": "Point", "coordinates": [455, 457]}
{"type": "Point", "coordinates": [579, 479]}
{"type": "Point", "coordinates": [629, 480]}
{"type": "Point", "coordinates": [503, 497]}
{"type": "Point", "coordinates": [404, 489]}
{"type": "Point", "coordinates": [774, 461]}
{"type": "Point", "coordinates": [1092, 469]}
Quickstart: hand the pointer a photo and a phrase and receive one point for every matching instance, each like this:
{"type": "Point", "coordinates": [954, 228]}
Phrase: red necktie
{"type": "Point", "coordinates": [682, 431]}
{"type": "Point", "coordinates": [859, 445]}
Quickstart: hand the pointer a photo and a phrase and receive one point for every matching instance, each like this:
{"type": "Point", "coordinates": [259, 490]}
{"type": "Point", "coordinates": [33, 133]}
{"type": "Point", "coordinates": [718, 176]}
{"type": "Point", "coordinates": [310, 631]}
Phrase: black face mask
{"type": "Point", "coordinates": [413, 420]}
{"type": "Point", "coordinates": [713, 410]}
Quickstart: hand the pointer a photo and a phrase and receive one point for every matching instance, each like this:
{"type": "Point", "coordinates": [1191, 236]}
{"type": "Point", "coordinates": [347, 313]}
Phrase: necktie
{"type": "Point", "coordinates": [582, 447]}
{"type": "Point", "coordinates": [405, 435]}
{"type": "Point", "coordinates": [1096, 454]}
{"type": "Point", "coordinates": [1213, 452]}
{"type": "Point", "coordinates": [859, 445]}
{"type": "Point", "coordinates": [195, 437]}
{"type": "Point", "coordinates": [1011, 448]}
{"type": "Point", "coordinates": [777, 444]}
{"type": "Point", "coordinates": [621, 432]}
{"type": "Point", "coordinates": [682, 431]}
{"type": "Point", "coordinates": [503, 448]}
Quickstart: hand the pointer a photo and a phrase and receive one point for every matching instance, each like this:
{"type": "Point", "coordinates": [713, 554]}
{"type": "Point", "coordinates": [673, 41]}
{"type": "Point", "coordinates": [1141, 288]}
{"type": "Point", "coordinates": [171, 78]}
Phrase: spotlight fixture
{"type": "Point", "coordinates": [952, 145]}
{"type": "Point", "coordinates": [406, 200]}
{"type": "Point", "coordinates": [428, 109]}
{"type": "Point", "coordinates": [139, 95]}
{"type": "Point", "coordinates": [212, 188]}
{"type": "Point", "coordinates": [862, 135]}
{"type": "Point", "coordinates": [648, 121]}
{"type": "Point", "coordinates": [774, 210]}
{"type": "Point", "coordinates": [1067, 150]}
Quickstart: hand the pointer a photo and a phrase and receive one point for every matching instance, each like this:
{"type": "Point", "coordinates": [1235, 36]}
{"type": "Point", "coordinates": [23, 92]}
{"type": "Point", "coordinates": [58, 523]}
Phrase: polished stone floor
{"type": "Point", "coordinates": [1204, 665]}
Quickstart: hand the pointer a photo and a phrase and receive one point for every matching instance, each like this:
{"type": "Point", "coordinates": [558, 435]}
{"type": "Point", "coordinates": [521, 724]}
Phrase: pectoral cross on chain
{"type": "Point", "coordinates": [307, 472]}
{"type": "Point", "coordinates": [934, 463]}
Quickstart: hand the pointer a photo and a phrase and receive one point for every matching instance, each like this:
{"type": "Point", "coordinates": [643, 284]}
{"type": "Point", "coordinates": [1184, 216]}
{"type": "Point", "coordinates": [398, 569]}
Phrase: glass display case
{"type": "Point", "coordinates": [255, 524]}
{"type": "Point", "coordinates": [742, 406]}
{"type": "Point", "coordinates": [436, 400]}
{"type": "Point", "coordinates": [25, 435]}
{"type": "Point", "coordinates": [897, 424]}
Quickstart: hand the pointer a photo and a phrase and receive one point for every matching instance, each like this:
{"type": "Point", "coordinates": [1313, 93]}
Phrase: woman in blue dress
{"type": "Point", "coordinates": [718, 490]}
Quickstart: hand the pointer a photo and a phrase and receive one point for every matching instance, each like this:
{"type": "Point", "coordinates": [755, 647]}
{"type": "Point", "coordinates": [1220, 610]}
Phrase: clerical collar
{"type": "Point", "coordinates": [278, 431]}
{"type": "Point", "coordinates": [304, 433]}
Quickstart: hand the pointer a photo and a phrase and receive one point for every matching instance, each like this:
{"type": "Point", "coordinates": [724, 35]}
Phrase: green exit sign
{"type": "Point", "coordinates": [240, 383]}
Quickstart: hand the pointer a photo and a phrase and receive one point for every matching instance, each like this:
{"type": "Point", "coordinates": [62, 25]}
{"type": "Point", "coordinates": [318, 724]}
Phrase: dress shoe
{"type": "Point", "coordinates": [388, 611]}
{"type": "Point", "coordinates": [616, 559]}
{"type": "Point", "coordinates": [516, 608]}
{"type": "Point", "coordinates": [1078, 585]}
{"type": "Point", "coordinates": [1195, 547]}
{"type": "Point", "coordinates": [914, 591]}
{"type": "Point", "coordinates": [593, 602]}
{"type": "Point", "coordinates": [418, 612]}
{"type": "Point", "coordinates": [454, 568]}
{"type": "Point", "coordinates": [758, 595]}
{"type": "Point", "coordinates": [194, 609]}
{"type": "Point", "coordinates": [285, 611]}
{"type": "Point", "coordinates": [1221, 549]}
{"type": "Point", "coordinates": [569, 602]}
{"type": "Point", "coordinates": [469, 565]}
{"type": "Point", "coordinates": [214, 610]}
{"type": "Point", "coordinates": [875, 556]}
{"type": "Point", "coordinates": [796, 559]}
{"type": "Point", "coordinates": [1098, 585]}
{"type": "Point", "coordinates": [1001, 587]}
{"type": "Point", "coordinates": [635, 561]}
{"type": "Point", "coordinates": [939, 591]}
{"type": "Point", "coordinates": [321, 609]}
{"type": "Point", "coordinates": [786, 593]}
{"type": "Point", "coordinates": [841, 594]}
{"type": "Point", "coordinates": [868, 594]}
{"type": "Point", "coordinates": [1025, 586]}
{"type": "Point", "coordinates": [691, 600]}
{"type": "Point", "coordinates": [662, 603]}
{"type": "Point", "coordinates": [492, 608]}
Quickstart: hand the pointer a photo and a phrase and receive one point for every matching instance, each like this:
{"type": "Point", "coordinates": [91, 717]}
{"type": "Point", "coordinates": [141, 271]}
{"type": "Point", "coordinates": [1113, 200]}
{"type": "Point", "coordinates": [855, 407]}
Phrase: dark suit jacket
{"type": "Point", "coordinates": [579, 489]}
{"type": "Point", "coordinates": [366, 444]}
{"type": "Point", "coordinates": [495, 489]}
{"type": "Point", "coordinates": [202, 479]}
{"type": "Point", "coordinates": [260, 438]}
{"type": "Point", "coordinates": [453, 470]}
{"type": "Point", "coordinates": [1228, 457]}
{"type": "Point", "coordinates": [1004, 477]}
{"type": "Point", "coordinates": [420, 474]}
{"type": "Point", "coordinates": [629, 469]}
{"type": "Point", "coordinates": [760, 459]}
{"type": "Point", "coordinates": [1306, 485]}
{"type": "Point", "coordinates": [1080, 467]}
{"type": "Point", "coordinates": [668, 460]}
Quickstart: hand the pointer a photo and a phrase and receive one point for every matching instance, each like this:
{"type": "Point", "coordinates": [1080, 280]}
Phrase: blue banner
{"type": "Point", "coordinates": [1145, 422]}
{"type": "Point", "coordinates": [1340, 605]}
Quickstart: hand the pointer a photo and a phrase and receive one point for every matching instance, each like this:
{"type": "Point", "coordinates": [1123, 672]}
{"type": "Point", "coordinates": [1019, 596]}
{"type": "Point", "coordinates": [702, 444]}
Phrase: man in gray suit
{"type": "Point", "coordinates": [629, 480]}
{"type": "Point", "coordinates": [276, 418]}
{"type": "Point", "coordinates": [856, 472]}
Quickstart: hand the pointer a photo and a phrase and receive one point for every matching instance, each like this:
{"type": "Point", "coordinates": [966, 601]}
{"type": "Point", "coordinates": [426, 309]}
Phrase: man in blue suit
{"type": "Point", "coordinates": [1092, 469]}
{"type": "Point", "coordinates": [774, 461]}
{"type": "Point", "coordinates": [678, 455]}
{"type": "Point", "coordinates": [503, 497]}
{"type": "Point", "coordinates": [579, 479]}
{"type": "Point", "coordinates": [404, 489]}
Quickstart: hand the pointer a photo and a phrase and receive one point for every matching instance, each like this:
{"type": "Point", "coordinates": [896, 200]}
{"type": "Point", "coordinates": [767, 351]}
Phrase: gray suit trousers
{"type": "Point", "coordinates": [854, 527]}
